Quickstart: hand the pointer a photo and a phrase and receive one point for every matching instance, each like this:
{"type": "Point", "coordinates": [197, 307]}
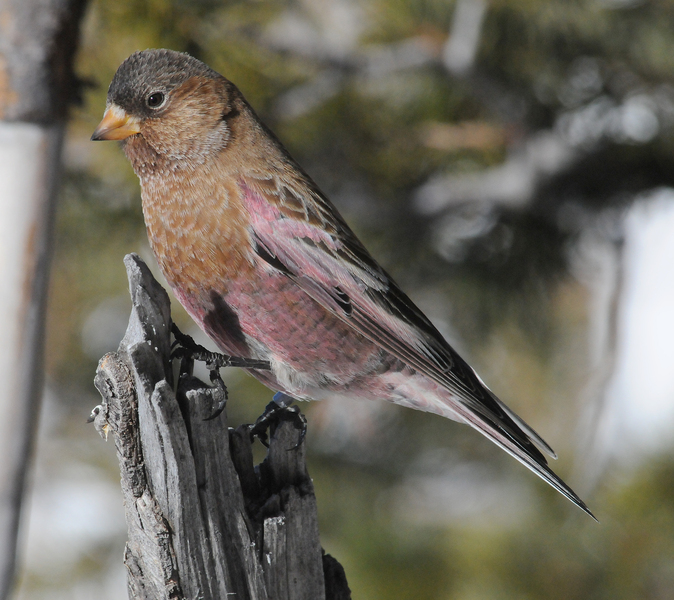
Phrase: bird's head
{"type": "Point", "coordinates": [169, 104]}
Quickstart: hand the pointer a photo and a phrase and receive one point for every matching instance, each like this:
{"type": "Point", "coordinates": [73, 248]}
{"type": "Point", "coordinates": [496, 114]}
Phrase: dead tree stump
{"type": "Point", "coordinates": [203, 523]}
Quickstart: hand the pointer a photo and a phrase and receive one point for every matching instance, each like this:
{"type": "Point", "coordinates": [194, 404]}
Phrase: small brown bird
{"type": "Point", "coordinates": [267, 267]}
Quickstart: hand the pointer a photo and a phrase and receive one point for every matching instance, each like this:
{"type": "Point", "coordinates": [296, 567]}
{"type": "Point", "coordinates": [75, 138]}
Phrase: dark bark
{"type": "Point", "coordinates": [38, 41]}
{"type": "Point", "coordinates": [203, 521]}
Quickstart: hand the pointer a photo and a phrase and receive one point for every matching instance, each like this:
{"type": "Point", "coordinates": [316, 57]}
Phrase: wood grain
{"type": "Point", "coordinates": [203, 522]}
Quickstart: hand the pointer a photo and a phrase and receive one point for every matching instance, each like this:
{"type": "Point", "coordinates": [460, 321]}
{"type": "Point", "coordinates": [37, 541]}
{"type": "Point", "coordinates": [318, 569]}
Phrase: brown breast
{"type": "Point", "coordinates": [196, 224]}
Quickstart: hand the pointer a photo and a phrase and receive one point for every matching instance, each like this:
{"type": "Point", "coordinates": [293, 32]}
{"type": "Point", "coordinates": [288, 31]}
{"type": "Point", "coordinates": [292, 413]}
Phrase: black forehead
{"type": "Point", "coordinates": [152, 70]}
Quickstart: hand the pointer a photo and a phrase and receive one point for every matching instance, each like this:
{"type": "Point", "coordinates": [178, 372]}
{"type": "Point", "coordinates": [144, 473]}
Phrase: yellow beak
{"type": "Point", "coordinates": [116, 125]}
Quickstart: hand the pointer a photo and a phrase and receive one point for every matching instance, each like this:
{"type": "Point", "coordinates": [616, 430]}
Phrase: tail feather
{"type": "Point", "coordinates": [525, 427]}
{"type": "Point", "coordinates": [517, 441]}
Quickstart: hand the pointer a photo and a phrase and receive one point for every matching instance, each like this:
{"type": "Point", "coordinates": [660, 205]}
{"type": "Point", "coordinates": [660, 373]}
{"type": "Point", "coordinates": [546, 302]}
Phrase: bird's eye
{"type": "Point", "coordinates": [155, 99]}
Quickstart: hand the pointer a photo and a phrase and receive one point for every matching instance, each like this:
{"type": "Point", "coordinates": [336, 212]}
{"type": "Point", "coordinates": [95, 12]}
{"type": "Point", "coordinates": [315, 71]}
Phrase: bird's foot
{"type": "Point", "coordinates": [187, 350]}
{"type": "Point", "coordinates": [280, 404]}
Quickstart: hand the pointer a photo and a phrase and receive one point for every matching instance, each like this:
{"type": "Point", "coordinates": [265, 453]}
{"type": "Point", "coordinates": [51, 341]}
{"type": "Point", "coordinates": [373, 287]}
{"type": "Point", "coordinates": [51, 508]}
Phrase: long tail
{"type": "Point", "coordinates": [510, 433]}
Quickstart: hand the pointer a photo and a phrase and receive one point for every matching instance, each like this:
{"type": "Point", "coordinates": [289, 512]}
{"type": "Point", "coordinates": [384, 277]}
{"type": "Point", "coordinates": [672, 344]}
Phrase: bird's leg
{"type": "Point", "coordinates": [185, 345]}
{"type": "Point", "coordinates": [280, 403]}
{"type": "Point", "coordinates": [185, 348]}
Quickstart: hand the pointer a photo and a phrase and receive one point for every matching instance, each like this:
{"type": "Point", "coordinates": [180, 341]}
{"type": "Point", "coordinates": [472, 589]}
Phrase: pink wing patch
{"type": "Point", "coordinates": [312, 255]}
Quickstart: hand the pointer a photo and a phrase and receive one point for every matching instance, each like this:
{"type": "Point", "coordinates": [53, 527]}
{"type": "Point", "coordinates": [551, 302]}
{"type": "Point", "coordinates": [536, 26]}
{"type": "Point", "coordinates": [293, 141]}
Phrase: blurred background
{"type": "Point", "coordinates": [511, 164]}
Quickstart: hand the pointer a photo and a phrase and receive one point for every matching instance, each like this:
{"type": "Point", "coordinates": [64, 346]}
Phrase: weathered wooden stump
{"type": "Point", "coordinates": [203, 523]}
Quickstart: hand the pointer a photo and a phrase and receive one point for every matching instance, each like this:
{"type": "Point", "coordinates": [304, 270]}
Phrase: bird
{"type": "Point", "coordinates": [267, 267]}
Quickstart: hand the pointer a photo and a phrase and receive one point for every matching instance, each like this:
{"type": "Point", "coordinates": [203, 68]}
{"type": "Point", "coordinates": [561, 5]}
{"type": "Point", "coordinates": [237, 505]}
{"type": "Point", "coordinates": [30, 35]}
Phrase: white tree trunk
{"type": "Point", "coordinates": [38, 39]}
{"type": "Point", "coordinates": [29, 155]}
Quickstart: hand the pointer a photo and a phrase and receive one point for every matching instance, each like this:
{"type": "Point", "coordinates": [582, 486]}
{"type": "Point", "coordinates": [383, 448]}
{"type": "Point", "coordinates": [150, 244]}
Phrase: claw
{"type": "Point", "coordinates": [280, 403]}
{"type": "Point", "coordinates": [220, 389]}
{"type": "Point", "coordinates": [259, 428]}
{"type": "Point", "coordinates": [303, 425]}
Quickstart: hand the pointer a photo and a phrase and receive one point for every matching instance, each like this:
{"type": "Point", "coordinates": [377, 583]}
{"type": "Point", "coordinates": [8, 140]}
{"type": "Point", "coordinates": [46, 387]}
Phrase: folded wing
{"type": "Point", "coordinates": [299, 232]}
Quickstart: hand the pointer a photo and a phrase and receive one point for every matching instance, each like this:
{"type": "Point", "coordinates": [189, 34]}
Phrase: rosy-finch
{"type": "Point", "coordinates": [267, 267]}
